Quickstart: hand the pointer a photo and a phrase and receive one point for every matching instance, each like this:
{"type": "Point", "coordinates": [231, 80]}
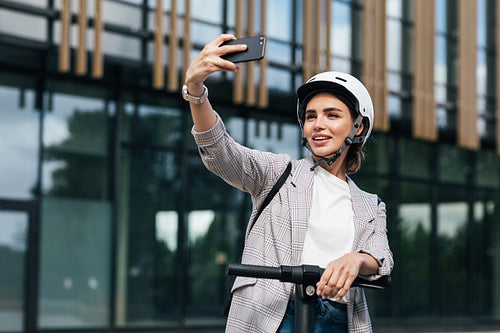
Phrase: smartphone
{"type": "Point", "coordinates": [256, 48]}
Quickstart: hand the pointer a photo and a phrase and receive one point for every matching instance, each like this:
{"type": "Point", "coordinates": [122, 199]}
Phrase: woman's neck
{"type": "Point", "coordinates": [338, 168]}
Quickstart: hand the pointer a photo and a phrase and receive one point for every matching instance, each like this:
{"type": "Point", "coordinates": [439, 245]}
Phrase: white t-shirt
{"type": "Point", "coordinates": [330, 230]}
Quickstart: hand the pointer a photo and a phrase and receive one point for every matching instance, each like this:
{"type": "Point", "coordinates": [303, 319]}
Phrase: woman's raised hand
{"type": "Point", "coordinates": [209, 60]}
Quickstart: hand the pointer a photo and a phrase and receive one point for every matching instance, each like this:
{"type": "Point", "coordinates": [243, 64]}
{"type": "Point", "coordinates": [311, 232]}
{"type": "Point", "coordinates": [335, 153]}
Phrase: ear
{"type": "Point", "coordinates": [360, 129]}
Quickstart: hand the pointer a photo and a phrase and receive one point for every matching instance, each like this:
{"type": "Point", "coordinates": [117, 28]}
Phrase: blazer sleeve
{"type": "Point", "coordinates": [249, 170]}
{"type": "Point", "coordinates": [377, 244]}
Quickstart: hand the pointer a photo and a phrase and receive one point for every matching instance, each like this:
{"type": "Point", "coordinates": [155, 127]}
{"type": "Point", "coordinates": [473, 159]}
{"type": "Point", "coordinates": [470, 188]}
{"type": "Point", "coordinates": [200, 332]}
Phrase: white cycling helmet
{"type": "Point", "coordinates": [338, 83]}
{"type": "Point", "coordinates": [348, 87]}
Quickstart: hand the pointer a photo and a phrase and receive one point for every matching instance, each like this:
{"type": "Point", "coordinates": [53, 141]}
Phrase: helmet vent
{"type": "Point", "coordinates": [341, 79]}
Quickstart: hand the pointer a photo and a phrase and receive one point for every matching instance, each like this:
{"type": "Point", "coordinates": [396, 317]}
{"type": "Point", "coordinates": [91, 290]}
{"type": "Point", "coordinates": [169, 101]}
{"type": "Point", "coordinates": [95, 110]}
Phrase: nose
{"type": "Point", "coordinates": [319, 122]}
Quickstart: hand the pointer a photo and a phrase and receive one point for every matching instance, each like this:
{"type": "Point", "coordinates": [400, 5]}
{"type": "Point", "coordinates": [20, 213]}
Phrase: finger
{"type": "Point", "coordinates": [330, 282]}
{"type": "Point", "coordinates": [225, 49]}
{"type": "Point", "coordinates": [347, 284]}
{"type": "Point", "coordinates": [223, 38]}
{"type": "Point", "coordinates": [334, 285]}
{"type": "Point", "coordinates": [226, 65]}
{"type": "Point", "coordinates": [320, 286]}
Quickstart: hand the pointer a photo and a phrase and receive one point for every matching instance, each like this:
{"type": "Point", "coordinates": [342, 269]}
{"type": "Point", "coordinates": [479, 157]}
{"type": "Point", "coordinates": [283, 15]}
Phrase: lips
{"type": "Point", "coordinates": [321, 139]}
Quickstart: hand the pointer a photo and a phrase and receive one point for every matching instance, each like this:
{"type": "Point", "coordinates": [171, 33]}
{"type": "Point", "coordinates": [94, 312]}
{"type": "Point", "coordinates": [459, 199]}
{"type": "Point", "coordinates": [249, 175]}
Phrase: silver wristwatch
{"type": "Point", "coordinates": [194, 99]}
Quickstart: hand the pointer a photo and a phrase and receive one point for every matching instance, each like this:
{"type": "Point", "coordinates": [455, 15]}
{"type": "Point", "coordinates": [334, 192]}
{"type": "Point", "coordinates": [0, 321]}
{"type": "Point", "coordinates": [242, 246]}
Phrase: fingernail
{"type": "Point", "coordinates": [237, 68]}
{"type": "Point", "coordinates": [243, 46]}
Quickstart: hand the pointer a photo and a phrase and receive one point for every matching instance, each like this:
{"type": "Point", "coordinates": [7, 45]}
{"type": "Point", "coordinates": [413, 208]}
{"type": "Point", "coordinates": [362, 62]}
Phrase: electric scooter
{"type": "Point", "coordinates": [305, 278]}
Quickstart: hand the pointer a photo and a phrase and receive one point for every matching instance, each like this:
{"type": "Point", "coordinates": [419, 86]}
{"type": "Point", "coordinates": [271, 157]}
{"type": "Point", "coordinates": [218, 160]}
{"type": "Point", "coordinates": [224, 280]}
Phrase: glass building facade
{"type": "Point", "coordinates": [109, 221]}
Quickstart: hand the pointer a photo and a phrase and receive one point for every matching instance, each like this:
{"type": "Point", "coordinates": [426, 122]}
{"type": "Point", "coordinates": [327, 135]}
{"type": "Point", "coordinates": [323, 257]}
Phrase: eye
{"type": "Point", "coordinates": [310, 115]}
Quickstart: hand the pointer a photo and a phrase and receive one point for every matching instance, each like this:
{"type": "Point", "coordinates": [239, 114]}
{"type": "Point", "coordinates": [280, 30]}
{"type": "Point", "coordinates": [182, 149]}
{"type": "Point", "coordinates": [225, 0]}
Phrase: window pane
{"type": "Point", "coordinates": [393, 47]}
{"type": "Point", "coordinates": [148, 267]}
{"type": "Point", "coordinates": [19, 143]}
{"type": "Point", "coordinates": [13, 245]}
{"type": "Point", "coordinates": [121, 14]}
{"type": "Point", "coordinates": [274, 136]}
{"type": "Point", "coordinates": [151, 125]}
{"type": "Point", "coordinates": [481, 72]}
{"type": "Point", "coordinates": [279, 79]}
{"type": "Point", "coordinates": [279, 52]}
{"type": "Point", "coordinates": [452, 239]}
{"type": "Point", "coordinates": [22, 25]}
{"type": "Point", "coordinates": [279, 19]}
{"type": "Point", "coordinates": [214, 238]}
{"type": "Point", "coordinates": [207, 10]}
{"type": "Point", "coordinates": [202, 33]}
{"type": "Point", "coordinates": [395, 107]}
{"type": "Point", "coordinates": [74, 283]}
{"type": "Point", "coordinates": [481, 23]}
{"type": "Point", "coordinates": [414, 255]}
{"type": "Point", "coordinates": [453, 164]}
{"type": "Point", "coordinates": [121, 46]}
{"type": "Point", "coordinates": [440, 68]}
{"type": "Point", "coordinates": [487, 170]}
{"type": "Point", "coordinates": [207, 264]}
{"type": "Point", "coordinates": [75, 148]}
{"type": "Point", "coordinates": [74, 263]}
{"type": "Point", "coordinates": [441, 19]}
{"type": "Point", "coordinates": [379, 153]}
{"type": "Point", "coordinates": [394, 8]}
{"type": "Point", "coordinates": [416, 158]}
{"type": "Point", "coordinates": [342, 29]}
{"type": "Point", "coordinates": [487, 254]}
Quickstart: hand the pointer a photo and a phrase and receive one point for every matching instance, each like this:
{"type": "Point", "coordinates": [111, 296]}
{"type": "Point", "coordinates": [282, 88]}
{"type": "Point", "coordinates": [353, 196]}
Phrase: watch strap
{"type": "Point", "coordinates": [194, 99]}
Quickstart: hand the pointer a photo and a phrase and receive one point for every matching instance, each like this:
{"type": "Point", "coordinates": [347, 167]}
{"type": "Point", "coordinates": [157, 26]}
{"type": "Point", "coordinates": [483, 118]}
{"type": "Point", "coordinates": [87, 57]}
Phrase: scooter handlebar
{"type": "Point", "coordinates": [297, 274]}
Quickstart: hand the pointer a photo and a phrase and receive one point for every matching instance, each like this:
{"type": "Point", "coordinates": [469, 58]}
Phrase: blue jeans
{"type": "Point", "coordinates": [329, 317]}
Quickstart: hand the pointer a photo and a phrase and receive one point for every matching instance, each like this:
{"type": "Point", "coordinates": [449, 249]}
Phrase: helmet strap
{"type": "Point", "coordinates": [349, 140]}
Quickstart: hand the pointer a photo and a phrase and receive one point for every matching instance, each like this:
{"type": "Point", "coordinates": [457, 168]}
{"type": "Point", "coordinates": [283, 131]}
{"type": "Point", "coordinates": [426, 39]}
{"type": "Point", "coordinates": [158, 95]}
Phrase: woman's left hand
{"type": "Point", "coordinates": [340, 274]}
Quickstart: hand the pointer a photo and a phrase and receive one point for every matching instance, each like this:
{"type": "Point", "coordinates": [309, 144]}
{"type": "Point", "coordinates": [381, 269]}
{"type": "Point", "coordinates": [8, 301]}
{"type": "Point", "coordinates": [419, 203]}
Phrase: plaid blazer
{"type": "Point", "coordinates": [277, 237]}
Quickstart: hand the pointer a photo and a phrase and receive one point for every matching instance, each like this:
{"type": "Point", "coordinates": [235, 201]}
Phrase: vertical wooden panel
{"type": "Point", "coordinates": [238, 87]}
{"type": "Point", "coordinates": [380, 67]}
{"type": "Point", "coordinates": [64, 47]}
{"type": "Point", "coordinates": [263, 93]}
{"type": "Point", "coordinates": [424, 124]}
{"type": "Point", "coordinates": [374, 69]}
{"type": "Point", "coordinates": [368, 46]}
{"type": "Point", "coordinates": [467, 96]}
{"type": "Point", "coordinates": [158, 72]}
{"type": "Point", "coordinates": [418, 108]}
{"type": "Point", "coordinates": [431, 128]}
{"type": "Point", "coordinates": [81, 51]}
{"type": "Point", "coordinates": [424, 110]}
{"type": "Point", "coordinates": [328, 50]}
{"type": "Point", "coordinates": [317, 36]}
{"type": "Point", "coordinates": [498, 76]}
{"type": "Point", "coordinates": [251, 98]}
{"type": "Point", "coordinates": [173, 48]}
{"type": "Point", "coordinates": [97, 60]}
{"type": "Point", "coordinates": [306, 41]}
{"type": "Point", "coordinates": [186, 41]}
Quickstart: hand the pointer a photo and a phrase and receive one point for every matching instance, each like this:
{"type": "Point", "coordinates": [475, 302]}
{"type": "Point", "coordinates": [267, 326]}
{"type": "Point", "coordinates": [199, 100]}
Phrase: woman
{"type": "Point", "coordinates": [319, 216]}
